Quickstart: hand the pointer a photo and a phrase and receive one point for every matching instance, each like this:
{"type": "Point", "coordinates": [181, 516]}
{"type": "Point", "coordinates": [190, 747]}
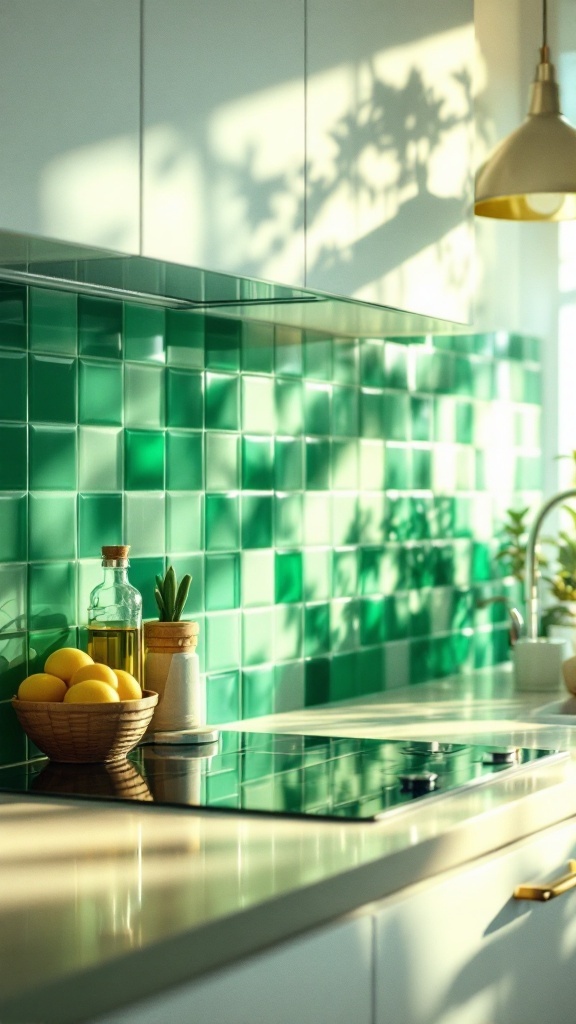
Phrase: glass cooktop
{"type": "Point", "coordinates": [250, 772]}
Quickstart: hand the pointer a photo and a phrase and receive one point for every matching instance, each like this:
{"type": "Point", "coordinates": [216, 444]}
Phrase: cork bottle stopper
{"type": "Point", "coordinates": [115, 551]}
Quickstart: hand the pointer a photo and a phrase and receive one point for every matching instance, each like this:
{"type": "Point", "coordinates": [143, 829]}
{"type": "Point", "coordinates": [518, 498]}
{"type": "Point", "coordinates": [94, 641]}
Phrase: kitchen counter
{"type": "Point", "coordinates": [102, 904]}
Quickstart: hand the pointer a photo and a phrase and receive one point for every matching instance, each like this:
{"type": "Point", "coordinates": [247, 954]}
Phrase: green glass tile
{"type": "Point", "coordinates": [421, 419]}
{"type": "Point", "coordinates": [395, 366]}
{"type": "Point", "coordinates": [185, 339]}
{"type": "Point", "coordinates": [223, 522]}
{"type": "Point", "coordinates": [144, 333]}
{"type": "Point", "coordinates": [345, 572]}
{"type": "Point", "coordinates": [317, 351]}
{"type": "Point", "coordinates": [222, 402]}
{"type": "Point", "coordinates": [346, 522]}
{"type": "Point", "coordinates": [52, 526]}
{"type": "Point", "coordinates": [372, 620]}
{"type": "Point", "coordinates": [288, 632]}
{"type": "Point", "coordinates": [13, 466]}
{"type": "Point", "coordinates": [184, 461]}
{"type": "Point", "coordinates": [257, 347]}
{"type": "Point", "coordinates": [398, 468]}
{"type": "Point", "coordinates": [371, 465]}
{"type": "Point", "coordinates": [258, 405]}
{"type": "Point", "coordinates": [289, 686]}
{"type": "Point", "coordinates": [344, 464]}
{"type": "Point", "coordinates": [257, 636]}
{"type": "Point", "coordinates": [482, 381]}
{"type": "Point", "coordinates": [317, 518]}
{"type": "Point", "coordinates": [343, 670]}
{"type": "Point", "coordinates": [317, 464]}
{"type": "Point", "coordinates": [184, 522]}
{"type": "Point", "coordinates": [532, 391]}
{"type": "Point", "coordinates": [53, 458]}
{"type": "Point", "coordinates": [13, 607]}
{"type": "Point", "coordinates": [464, 432]}
{"type": "Point", "coordinates": [371, 570]}
{"type": "Point", "coordinates": [371, 413]}
{"type": "Point", "coordinates": [222, 641]}
{"type": "Point", "coordinates": [53, 321]}
{"type": "Point", "coordinates": [194, 566]}
{"type": "Point", "coordinates": [99, 522]}
{"type": "Point", "coordinates": [13, 385]}
{"type": "Point", "coordinates": [100, 459]}
{"type": "Point", "coordinates": [420, 565]}
{"type": "Point", "coordinates": [258, 463]}
{"type": "Point", "coordinates": [421, 513]}
{"type": "Point", "coordinates": [13, 666]}
{"type": "Point", "coordinates": [99, 327]}
{"type": "Point", "coordinates": [289, 406]}
{"type": "Point", "coordinates": [52, 389]}
{"type": "Point", "coordinates": [443, 518]}
{"type": "Point", "coordinates": [142, 575]}
{"type": "Point", "coordinates": [223, 697]}
{"type": "Point", "coordinates": [371, 517]}
{"type": "Point", "coordinates": [184, 398]}
{"type": "Point", "coordinates": [317, 408]}
{"type": "Point", "coordinates": [13, 746]}
{"type": "Point", "coordinates": [396, 412]}
{"type": "Point", "coordinates": [12, 316]}
{"type": "Point", "coordinates": [52, 594]}
{"type": "Point", "coordinates": [258, 692]}
{"type": "Point", "coordinates": [316, 629]}
{"type": "Point", "coordinates": [288, 520]}
{"type": "Point", "coordinates": [100, 392]}
{"type": "Point", "coordinates": [372, 363]}
{"type": "Point", "coordinates": [435, 372]}
{"type": "Point", "coordinates": [316, 681]}
{"type": "Point", "coordinates": [398, 519]}
{"type": "Point", "coordinates": [144, 460]}
{"type": "Point", "coordinates": [289, 577]}
{"type": "Point", "coordinates": [419, 603]}
{"type": "Point", "coordinates": [317, 574]}
{"type": "Point", "coordinates": [288, 464]}
{"type": "Point", "coordinates": [345, 411]}
{"type": "Point", "coordinates": [288, 357]}
{"type": "Point", "coordinates": [222, 581]}
{"type": "Point", "coordinates": [144, 396]}
{"type": "Point", "coordinates": [421, 469]}
{"type": "Point", "coordinates": [222, 461]}
{"type": "Point", "coordinates": [256, 521]}
{"type": "Point", "coordinates": [13, 527]}
{"type": "Point", "coordinates": [222, 340]}
{"type": "Point", "coordinates": [144, 515]}
{"type": "Point", "coordinates": [528, 475]}
{"type": "Point", "coordinates": [345, 361]}
{"type": "Point", "coordinates": [257, 578]}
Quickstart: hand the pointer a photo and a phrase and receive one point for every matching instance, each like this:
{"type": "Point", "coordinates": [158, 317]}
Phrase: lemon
{"type": "Point", "coordinates": [91, 691]}
{"type": "Point", "coordinates": [42, 686]}
{"type": "Point", "coordinates": [65, 662]}
{"type": "Point", "coordinates": [95, 671]}
{"type": "Point", "coordinates": [128, 687]}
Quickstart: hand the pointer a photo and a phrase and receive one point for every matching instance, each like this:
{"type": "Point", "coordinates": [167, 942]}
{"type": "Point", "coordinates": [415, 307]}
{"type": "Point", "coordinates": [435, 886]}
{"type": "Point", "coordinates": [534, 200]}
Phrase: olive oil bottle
{"type": "Point", "coordinates": [115, 615]}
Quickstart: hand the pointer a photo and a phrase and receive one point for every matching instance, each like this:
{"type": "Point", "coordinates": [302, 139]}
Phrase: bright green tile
{"type": "Point", "coordinates": [184, 461]}
{"type": "Point", "coordinates": [288, 520]}
{"type": "Point", "coordinates": [372, 620]}
{"type": "Point", "coordinates": [13, 385]}
{"type": "Point", "coordinates": [184, 398]}
{"type": "Point", "coordinates": [185, 339]}
{"type": "Point", "coordinates": [344, 625]}
{"type": "Point", "coordinates": [258, 692]}
{"type": "Point", "coordinates": [371, 413]}
{"type": "Point", "coordinates": [317, 461]}
{"type": "Point", "coordinates": [53, 321]}
{"type": "Point", "coordinates": [421, 469]}
{"type": "Point", "coordinates": [288, 351]}
{"type": "Point", "coordinates": [222, 581]}
{"type": "Point", "coordinates": [144, 516]}
{"type": "Point", "coordinates": [143, 395]}
{"type": "Point", "coordinates": [222, 461]}
{"type": "Point", "coordinates": [222, 640]}
{"type": "Point", "coordinates": [13, 444]}
{"type": "Point", "coordinates": [395, 366]}
{"type": "Point", "coordinates": [52, 389]}
{"type": "Point", "coordinates": [288, 632]}
{"type": "Point", "coordinates": [99, 522]}
{"type": "Point", "coordinates": [257, 636]}
{"type": "Point", "coordinates": [343, 668]}
{"type": "Point", "coordinates": [257, 578]}
{"type": "Point", "coordinates": [344, 572]}
{"type": "Point", "coordinates": [53, 458]}
{"type": "Point", "coordinates": [371, 456]}
{"type": "Point", "coordinates": [372, 373]}
{"type": "Point", "coordinates": [100, 459]}
{"type": "Point", "coordinates": [317, 574]}
{"type": "Point", "coordinates": [223, 523]}
{"type": "Point", "coordinates": [345, 360]}
{"type": "Point", "coordinates": [142, 575]}
{"type": "Point", "coordinates": [100, 398]}
{"type": "Point", "coordinates": [13, 527]}
{"type": "Point", "coordinates": [257, 347]}
{"type": "Point", "coordinates": [288, 464]}
{"type": "Point", "coordinates": [317, 408]}
{"type": "Point", "coordinates": [345, 521]}
{"type": "Point", "coordinates": [223, 697]}
{"type": "Point", "coordinates": [317, 519]}
{"type": "Point", "coordinates": [99, 327]}
{"type": "Point", "coordinates": [257, 463]}
{"type": "Point", "coordinates": [345, 411]}
{"type": "Point", "coordinates": [184, 522]}
{"type": "Point", "coordinates": [52, 526]}
{"type": "Point", "coordinates": [222, 340]}
{"type": "Point", "coordinates": [144, 333]}
{"type": "Point", "coordinates": [289, 406]}
{"type": "Point", "coordinates": [258, 405]}
{"type": "Point", "coordinates": [344, 464]}
{"type": "Point", "coordinates": [396, 411]}
{"type": "Point", "coordinates": [144, 460]}
{"type": "Point", "coordinates": [222, 402]}
{"type": "Point", "coordinates": [256, 521]}
{"type": "Point", "coordinates": [289, 577]}
{"type": "Point", "coordinates": [317, 351]}
{"type": "Point", "coordinates": [398, 468]}
{"type": "Point", "coordinates": [52, 594]}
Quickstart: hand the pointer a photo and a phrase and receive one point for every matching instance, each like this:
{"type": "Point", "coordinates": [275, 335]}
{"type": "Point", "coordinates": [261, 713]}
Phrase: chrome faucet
{"type": "Point", "coordinates": [516, 628]}
{"type": "Point", "coordinates": [531, 582]}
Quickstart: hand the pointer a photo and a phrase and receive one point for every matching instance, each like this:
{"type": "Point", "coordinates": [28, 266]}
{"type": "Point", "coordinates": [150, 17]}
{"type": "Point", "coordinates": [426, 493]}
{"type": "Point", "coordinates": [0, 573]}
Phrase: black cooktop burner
{"type": "Point", "coordinates": [317, 776]}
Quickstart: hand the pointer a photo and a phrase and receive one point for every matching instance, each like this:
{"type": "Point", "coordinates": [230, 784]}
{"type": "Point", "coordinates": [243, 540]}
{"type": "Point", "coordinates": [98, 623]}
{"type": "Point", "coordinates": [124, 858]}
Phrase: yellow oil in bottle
{"type": "Point", "coordinates": [118, 647]}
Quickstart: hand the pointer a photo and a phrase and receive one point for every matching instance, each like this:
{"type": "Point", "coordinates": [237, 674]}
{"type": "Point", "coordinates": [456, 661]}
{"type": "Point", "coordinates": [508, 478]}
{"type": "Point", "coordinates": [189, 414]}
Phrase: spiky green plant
{"type": "Point", "coordinates": [171, 596]}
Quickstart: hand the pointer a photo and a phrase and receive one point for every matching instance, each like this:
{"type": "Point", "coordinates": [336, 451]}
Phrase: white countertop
{"type": "Point", "coordinates": [103, 904]}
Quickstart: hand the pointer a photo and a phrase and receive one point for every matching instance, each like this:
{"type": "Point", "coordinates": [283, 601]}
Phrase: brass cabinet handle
{"type": "Point", "coordinates": [549, 890]}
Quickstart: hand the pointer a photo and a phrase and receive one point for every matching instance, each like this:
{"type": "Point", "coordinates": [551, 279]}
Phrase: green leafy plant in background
{"type": "Point", "coordinates": [512, 553]}
{"type": "Point", "coordinates": [562, 581]}
{"type": "Point", "coordinates": [171, 596]}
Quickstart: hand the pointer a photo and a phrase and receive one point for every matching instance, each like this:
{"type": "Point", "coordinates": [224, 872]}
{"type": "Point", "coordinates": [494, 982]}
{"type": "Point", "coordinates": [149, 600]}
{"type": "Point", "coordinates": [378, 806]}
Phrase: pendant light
{"type": "Point", "coordinates": [531, 175]}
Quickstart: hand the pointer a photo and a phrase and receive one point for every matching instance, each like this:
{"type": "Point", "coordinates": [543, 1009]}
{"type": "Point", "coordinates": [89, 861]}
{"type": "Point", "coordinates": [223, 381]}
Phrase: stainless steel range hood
{"type": "Point", "coordinates": [39, 261]}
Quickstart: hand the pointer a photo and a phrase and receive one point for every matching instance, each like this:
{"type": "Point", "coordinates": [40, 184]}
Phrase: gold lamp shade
{"type": "Point", "coordinates": [531, 175]}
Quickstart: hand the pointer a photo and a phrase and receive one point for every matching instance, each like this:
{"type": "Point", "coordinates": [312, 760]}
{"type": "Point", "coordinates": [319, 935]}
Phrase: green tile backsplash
{"type": "Point", "coordinates": [335, 499]}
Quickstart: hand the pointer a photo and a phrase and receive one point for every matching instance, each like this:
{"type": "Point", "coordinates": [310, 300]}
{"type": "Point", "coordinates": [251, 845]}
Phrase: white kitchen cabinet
{"type": "Point", "coordinates": [460, 950]}
{"type": "Point", "coordinates": [389, 152]}
{"type": "Point", "coordinates": [322, 978]}
{"type": "Point", "coordinates": [69, 120]}
{"type": "Point", "coordinates": [223, 141]}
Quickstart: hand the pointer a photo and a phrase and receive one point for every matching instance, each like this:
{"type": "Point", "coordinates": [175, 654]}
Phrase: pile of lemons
{"type": "Point", "coordinates": [71, 676]}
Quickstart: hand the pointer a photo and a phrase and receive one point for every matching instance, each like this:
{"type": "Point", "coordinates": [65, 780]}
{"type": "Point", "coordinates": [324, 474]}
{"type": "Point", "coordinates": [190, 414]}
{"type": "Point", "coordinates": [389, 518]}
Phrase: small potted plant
{"type": "Point", "coordinates": [171, 664]}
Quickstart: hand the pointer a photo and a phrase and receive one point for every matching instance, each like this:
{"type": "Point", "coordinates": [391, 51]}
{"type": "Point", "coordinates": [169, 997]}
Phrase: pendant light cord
{"type": "Point", "coordinates": [544, 52]}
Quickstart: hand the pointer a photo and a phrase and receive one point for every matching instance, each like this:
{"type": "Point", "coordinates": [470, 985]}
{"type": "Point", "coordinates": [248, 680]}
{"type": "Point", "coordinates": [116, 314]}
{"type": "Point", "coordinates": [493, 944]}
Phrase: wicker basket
{"type": "Point", "coordinates": [86, 733]}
